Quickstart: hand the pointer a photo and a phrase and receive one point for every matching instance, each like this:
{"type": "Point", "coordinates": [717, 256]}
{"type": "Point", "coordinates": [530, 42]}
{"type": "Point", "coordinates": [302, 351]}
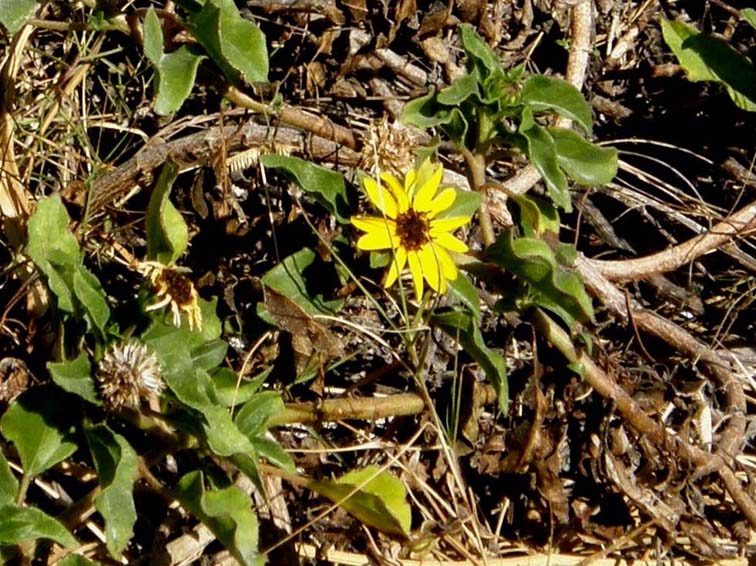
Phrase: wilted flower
{"type": "Point", "coordinates": [411, 226]}
{"type": "Point", "coordinates": [173, 289]}
{"type": "Point", "coordinates": [391, 147]}
{"type": "Point", "coordinates": [128, 373]}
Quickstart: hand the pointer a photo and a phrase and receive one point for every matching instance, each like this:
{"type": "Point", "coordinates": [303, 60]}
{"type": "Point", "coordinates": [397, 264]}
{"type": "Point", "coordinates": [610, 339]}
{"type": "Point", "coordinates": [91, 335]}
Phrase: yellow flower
{"type": "Point", "coordinates": [411, 226]}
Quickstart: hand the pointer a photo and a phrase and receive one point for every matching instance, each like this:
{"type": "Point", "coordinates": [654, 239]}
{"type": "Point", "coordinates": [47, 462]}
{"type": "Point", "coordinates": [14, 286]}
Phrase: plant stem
{"type": "Point", "coordinates": [476, 173]}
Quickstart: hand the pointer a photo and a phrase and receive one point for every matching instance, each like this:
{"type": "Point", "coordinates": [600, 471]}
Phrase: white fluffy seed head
{"type": "Point", "coordinates": [128, 373]}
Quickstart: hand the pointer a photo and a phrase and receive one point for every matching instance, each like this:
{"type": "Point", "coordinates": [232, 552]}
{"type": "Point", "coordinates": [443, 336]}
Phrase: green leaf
{"type": "Point", "coordinates": [273, 452]}
{"type": "Point", "coordinates": [91, 296]}
{"type": "Point", "coordinates": [8, 482]}
{"type": "Point", "coordinates": [708, 59]}
{"type": "Point", "coordinates": [533, 261]}
{"type": "Point", "coordinates": [211, 324]}
{"type": "Point", "coordinates": [462, 325]}
{"type": "Point", "coordinates": [537, 216]}
{"type": "Point", "coordinates": [49, 237]}
{"type": "Point", "coordinates": [40, 424]}
{"type": "Point", "coordinates": [326, 186]}
{"type": "Point", "coordinates": [175, 72]}
{"type": "Point", "coordinates": [230, 392]}
{"type": "Point", "coordinates": [542, 152]}
{"type": "Point", "coordinates": [75, 376]}
{"type": "Point", "coordinates": [426, 112]}
{"type": "Point", "coordinates": [252, 418]}
{"type": "Point", "coordinates": [195, 389]}
{"type": "Point", "coordinates": [749, 15]}
{"type": "Point", "coordinates": [167, 232]}
{"type": "Point", "coordinates": [78, 560]}
{"type": "Point", "coordinates": [481, 56]}
{"type": "Point", "coordinates": [209, 355]}
{"type": "Point", "coordinates": [236, 45]}
{"type": "Point", "coordinates": [287, 279]}
{"type": "Point", "coordinates": [466, 294]}
{"type": "Point", "coordinates": [13, 13]}
{"type": "Point", "coordinates": [116, 463]}
{"type": "Point", "coordinates": [21, 524]}
{"type": "Point", "coordinates": [375, 497]}
{"type": "Point", "coordinates": [54, 249]}
{"type": "Point", "coordinates": [466, 203]}
{"type": "Point", "coordinates": [460, 90]}
{"type": "Point", "coordinates": [587, 163]}
{"type": "Point", "coordinates": [551, 94]}
{"type": "Point", "coordinates": [227, 513]}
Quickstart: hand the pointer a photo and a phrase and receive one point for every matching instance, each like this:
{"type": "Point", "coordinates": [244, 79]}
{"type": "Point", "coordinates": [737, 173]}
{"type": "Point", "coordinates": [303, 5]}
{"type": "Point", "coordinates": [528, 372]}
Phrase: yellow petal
{"type": "Point", "coordinates": [450, 242]}
{"type": "Point", "coordinates": [439, 225]}
{"type": "Point", "coordinates": [417, 274]}
{"type": "Point", "coordinates": [443, 200]}
{"type": "Point", "coordinates": [409, 181]}
{"type": "Point", "coordinates": [397, 266]}
{"type": "Point", "coordinates": [431, 268]}
{"type": "Point", "coordinates": [380, 197]}
{"type": "Point", "coordinates": [381, 233]}
{"type": "Point", "coordinates": [400, 195]}
{"type": "Point", "coordinates": [448, 268]}
{"type": "Point", "coordinates": [423, 198]}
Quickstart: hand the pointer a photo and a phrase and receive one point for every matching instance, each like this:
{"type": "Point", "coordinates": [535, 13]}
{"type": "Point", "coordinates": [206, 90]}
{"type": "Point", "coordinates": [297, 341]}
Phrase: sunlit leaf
{"type": "Point", "coordinates": [706, 58]}
{"type": "Point", "coordinates": [8, 482]}
{"type": "Point", "coordinates": [548, 93]}
{"type": "Point", "coordinates": [227, 513]}
{"type": "Point", "coordinates": [749, 15]}
{"type": "Point", "coordinates": [91, 296]}
{"type": "Point", "coordinates": [20, 524]}
{"type": "Point", "coordinates": [209, 355]}
{"type": "Point", "coordinates": [14, 13]}
{"type": "Point", "coordinates": [40, 424]}
{"type": "Point", "coordinates": [174, 72]}
{"type": "Point", "coordinates": [326, 186]}
{"type": "Point", "coordinates": [167, 232]}
{"type": "Point", "coordinates": [287, 279]}
{"type": "Point", "coordinates": [537, 215]}
{"type": "Point", "coordinates": [116, 463]}
{"type": "Point", "coordinates": [235, 44]}
{"type": "Point", "coordinates": [465, 293]}
{"type": "Point", "coordinates": [75, 376]}
{"type": "Point", "coordinates": [381, 502]}
{"type": "Point", "coordinates": [543, 155]}
{"type": "Point", "coordinates": [586, 163]}
{"type": "Point", "coordinates": [534, 261]}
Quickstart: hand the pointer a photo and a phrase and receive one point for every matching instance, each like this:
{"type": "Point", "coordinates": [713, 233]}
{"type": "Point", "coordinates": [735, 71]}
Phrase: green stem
{"type": "Point", "coordinates": [23, 487]}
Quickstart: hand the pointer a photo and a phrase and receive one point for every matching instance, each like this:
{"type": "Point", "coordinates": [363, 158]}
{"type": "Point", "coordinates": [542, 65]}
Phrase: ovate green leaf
{"type": "Point", "coordinates": [542, 153]}
{"type": "Point", "coordinates": [548, 93]}
{"type": "Point", "coordinates": [706, 58]}
{"type": "Point", "coordinates": [91, 296]}
{"type": "Point", "coordinates": [8, 482]}
{"type": "Point", "coordinates": [586, 163]}
{"type": "Point", "coordinates": [326, 186]}
{"type": "Point", "coordinates": [227, 513]}
{"type": "Point", "coordinates": [77, 560]}
{"type": "Point", "coordinates": [20, 524]}
{"type": "Point", "coordinates": [376, 498]}
{"type": "Point", "coordinates": [174, 72]}
{"type": "Point", "coordinates": [116, 463]}
{"type": "Point", "coordinates": [13, 13]}
{"type": "Point", "coordinates": [236, 45]}
{"type": "Point", "coordinates": [40, 424]}
{"type": "Point", "coordinates": [534, 262]}
{"type": "Point", "coordinates": [75, 376]}
{"type": "Point", "coordinates": [167, 232]}
{"type": "Point", "coordinates": [749, 15]}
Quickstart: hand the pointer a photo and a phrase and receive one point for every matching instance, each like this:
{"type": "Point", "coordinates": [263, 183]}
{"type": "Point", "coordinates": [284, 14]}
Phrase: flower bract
{"type": "Point", "coordinates": [414, 225]}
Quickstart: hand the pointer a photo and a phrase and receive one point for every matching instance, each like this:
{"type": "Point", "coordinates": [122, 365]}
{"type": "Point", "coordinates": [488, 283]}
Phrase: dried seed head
{"type": "Point", "coordinates": [128, 373]}
{"type": "Point", "coordinates": [391, 148]}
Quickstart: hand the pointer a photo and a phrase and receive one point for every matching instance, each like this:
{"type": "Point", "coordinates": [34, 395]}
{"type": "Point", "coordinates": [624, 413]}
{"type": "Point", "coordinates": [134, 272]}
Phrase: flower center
{"type": "Point", "coordinates": [413, 230]}
{"type": "Point", "coordinates": [177, 286]}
